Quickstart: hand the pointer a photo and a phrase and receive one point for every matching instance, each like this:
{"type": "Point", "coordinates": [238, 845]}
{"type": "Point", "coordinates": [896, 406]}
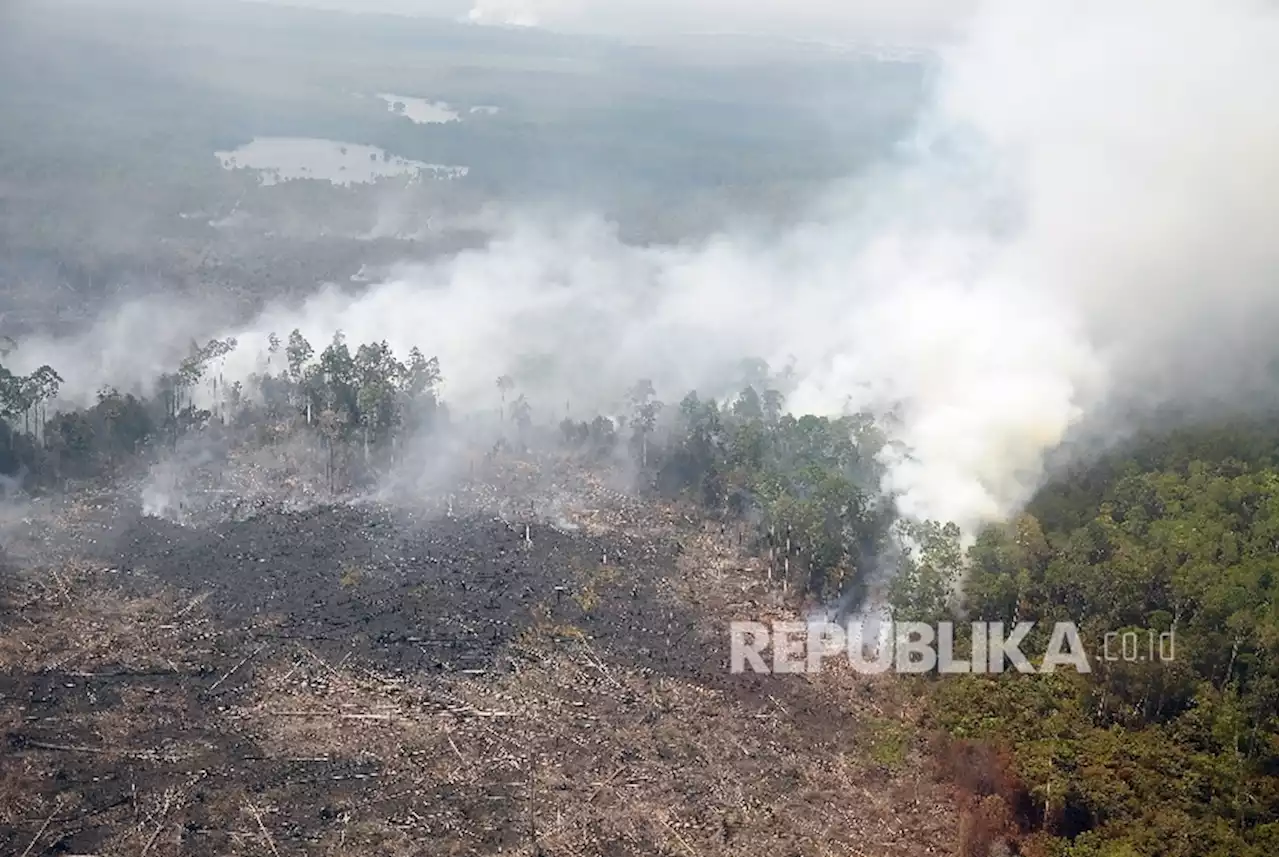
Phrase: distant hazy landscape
{"type": "Point", "coordinates": [121, 120]}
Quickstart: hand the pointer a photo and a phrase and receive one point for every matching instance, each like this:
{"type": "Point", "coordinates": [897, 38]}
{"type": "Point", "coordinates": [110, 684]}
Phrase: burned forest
{"type": "Point", "coordinates": [241, 628]}
{"type": "Point", "coordinates": [623, 429]}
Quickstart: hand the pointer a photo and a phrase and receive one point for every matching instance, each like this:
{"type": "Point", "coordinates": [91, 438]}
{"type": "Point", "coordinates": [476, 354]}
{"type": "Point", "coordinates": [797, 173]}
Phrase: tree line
{"type": "Point", "coordinates": [1176, 532]}
{"type": "Point", "coordinates": [802, 489]}
{"type": "Point", "coordinates": [367, 399]}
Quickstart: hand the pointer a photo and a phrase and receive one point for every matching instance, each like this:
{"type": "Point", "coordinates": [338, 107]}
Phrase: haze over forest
{"type": "Point", "coordinates": [976, 303]}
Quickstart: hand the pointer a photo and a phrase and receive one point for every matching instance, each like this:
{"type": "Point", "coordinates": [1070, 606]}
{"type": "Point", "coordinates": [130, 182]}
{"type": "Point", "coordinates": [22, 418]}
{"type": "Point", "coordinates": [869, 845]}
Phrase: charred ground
{"type": "Point", "coordinates": [360, 678]}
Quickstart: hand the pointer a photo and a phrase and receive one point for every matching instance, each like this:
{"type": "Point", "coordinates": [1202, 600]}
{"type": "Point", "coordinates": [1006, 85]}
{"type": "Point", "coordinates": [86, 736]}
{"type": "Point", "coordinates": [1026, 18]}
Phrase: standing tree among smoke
{"type": "Point", "coordinates": [644, 415]}
{"type": "Point", "coordinates": [28, 397]}
{"type": "Point", "coordinates": [505, 384]}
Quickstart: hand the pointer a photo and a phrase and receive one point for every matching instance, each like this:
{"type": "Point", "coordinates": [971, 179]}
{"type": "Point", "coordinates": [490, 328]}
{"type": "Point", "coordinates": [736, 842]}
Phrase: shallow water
{"type": "Point", "coordinates": [283, 158]}
{"type": "Point", "coordinates": [420, 111]}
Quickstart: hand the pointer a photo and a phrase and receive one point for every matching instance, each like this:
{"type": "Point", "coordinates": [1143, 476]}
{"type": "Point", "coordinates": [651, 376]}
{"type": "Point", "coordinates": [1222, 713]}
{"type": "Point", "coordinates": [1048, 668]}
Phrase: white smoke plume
{"type": "Point", "coordinates": [1088, 209]}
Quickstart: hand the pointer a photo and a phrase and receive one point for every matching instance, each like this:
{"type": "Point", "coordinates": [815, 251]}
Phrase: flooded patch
{"type": "Point", "coordinates": [420, 111]}
{"type": "Point", "coordinates": [279, 159]}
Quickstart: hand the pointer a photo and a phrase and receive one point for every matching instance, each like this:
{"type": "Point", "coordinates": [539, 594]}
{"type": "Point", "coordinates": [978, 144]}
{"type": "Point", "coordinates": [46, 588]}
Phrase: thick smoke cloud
{"type": "Point", "coordinates": [1088, 210]}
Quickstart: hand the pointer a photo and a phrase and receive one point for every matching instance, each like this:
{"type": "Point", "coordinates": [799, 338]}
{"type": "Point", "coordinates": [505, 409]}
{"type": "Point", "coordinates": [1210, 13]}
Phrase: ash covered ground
{"type": "Point", "coordinates": [289, 674]}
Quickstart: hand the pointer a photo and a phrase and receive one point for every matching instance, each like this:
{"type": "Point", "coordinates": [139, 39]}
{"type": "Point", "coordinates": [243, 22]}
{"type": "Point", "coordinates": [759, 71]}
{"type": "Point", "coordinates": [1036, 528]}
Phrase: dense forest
{"type": "Point", "coordinates": [1145, 755]}
{"type": "Point", "coordinates": [1175, 531]}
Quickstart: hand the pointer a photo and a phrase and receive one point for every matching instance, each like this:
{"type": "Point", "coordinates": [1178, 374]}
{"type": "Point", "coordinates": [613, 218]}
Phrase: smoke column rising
{"type": "Point", "coordinates": [1088, 209]}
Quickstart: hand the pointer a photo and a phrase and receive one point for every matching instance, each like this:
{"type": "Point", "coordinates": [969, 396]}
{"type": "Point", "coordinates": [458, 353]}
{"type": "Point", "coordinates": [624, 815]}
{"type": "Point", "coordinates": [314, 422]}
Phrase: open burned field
{"type": "Point", "coordinates": [357, 679]}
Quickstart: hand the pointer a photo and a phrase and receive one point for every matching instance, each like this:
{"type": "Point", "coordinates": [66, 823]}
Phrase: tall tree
{"type": "Point", "coordinates": [379, 376]}
{"type": "Point", "coordinates": [298, 353]}
{"type": "Point", "coordinates": [505, 384]}
{"type": "Point", "coordinates": [420, 386]}
{"type": "Point", "coordinates": [44, 384]}
{"type": "Point", "coordinates": [644, 414]}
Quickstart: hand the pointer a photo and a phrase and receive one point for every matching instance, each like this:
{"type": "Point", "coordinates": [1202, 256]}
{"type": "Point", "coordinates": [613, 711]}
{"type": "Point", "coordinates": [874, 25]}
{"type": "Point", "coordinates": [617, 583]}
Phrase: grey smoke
{"type": "Point", "coordinates": [1088, 211]}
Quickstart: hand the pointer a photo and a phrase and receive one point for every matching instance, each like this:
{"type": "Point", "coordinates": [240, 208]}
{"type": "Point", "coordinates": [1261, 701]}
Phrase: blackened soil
{"type": "Point", "coordinates": [352, 587]}
{"type": "Point", "coordinates": [421, 596]}
{"type": "Point", "coordinates": [225, 691]}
